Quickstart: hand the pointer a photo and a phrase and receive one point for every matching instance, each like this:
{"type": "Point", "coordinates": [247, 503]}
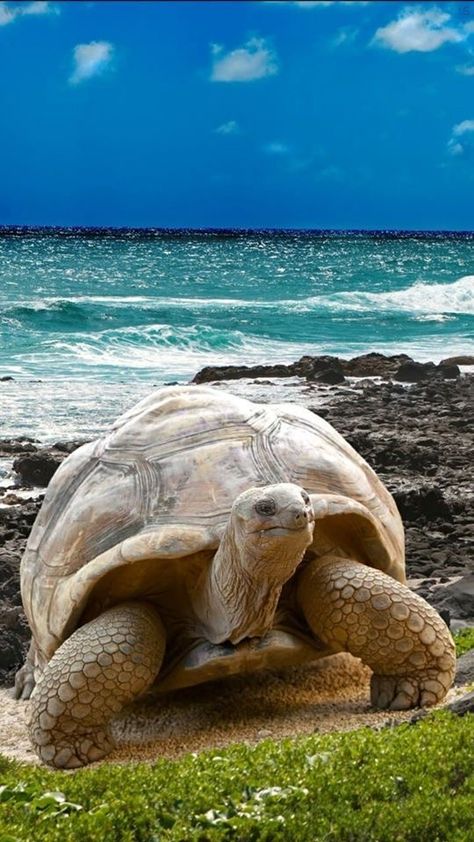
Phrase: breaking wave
{"type": "Point", "coordinates": [163, 349]}
{"type": "Point", "coordinates": [92, 312]}
{"type": "Point", "coordinates": [456, 297]}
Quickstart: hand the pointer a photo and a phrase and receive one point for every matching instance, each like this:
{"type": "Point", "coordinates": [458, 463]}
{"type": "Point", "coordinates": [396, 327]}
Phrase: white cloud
{"type": "Point", "coordinates": [420, 30]}
{"type": "Point", "coordinates": [6, 15]}
{"type": "Point", "coordinates": [462, 128]}
{"type": "Point", "coordinates": [456, 146]}
{"type": "Point", "coordinates": [254, 60]}
{"type": "Point", "coordinates": [465, 69]}
{"type": "Point", "coordinates": [9, 13]}
{"type": "Point", "coordinates": [345, 35]}
{"type": "Point", "coordinates": [40, 7]}
{"type": "Point", "coordinates": [276, 148]}
{"type": "Point", "coordinates": [231, 127]}
{"type": "Point", "coordinates": [90, 60]}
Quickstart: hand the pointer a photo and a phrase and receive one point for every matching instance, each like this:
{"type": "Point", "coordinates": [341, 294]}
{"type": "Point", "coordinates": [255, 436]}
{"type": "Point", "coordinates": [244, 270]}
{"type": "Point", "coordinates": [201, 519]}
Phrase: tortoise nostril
{"type": "Point", "coordinates": [300, 515]}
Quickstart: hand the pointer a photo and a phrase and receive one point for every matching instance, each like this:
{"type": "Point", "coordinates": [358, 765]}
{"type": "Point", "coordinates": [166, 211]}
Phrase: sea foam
{"type": "Point", "coordinates": [456, 297]}
{"type": "Point", "coordinates": [421, 297]}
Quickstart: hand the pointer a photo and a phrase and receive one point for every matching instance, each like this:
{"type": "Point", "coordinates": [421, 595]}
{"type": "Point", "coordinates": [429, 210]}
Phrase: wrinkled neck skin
{"type": "Point", "coordinates": [238, 595]}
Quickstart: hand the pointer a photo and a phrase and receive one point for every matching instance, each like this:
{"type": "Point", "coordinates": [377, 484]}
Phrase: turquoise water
{"type": "Point", "coordinates": [126, 307]}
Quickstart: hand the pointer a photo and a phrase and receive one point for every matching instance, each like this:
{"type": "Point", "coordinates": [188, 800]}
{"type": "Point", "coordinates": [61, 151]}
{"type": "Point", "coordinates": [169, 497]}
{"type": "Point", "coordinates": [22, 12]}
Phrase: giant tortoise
{"type": "Point", "coordinates": [204, 536]}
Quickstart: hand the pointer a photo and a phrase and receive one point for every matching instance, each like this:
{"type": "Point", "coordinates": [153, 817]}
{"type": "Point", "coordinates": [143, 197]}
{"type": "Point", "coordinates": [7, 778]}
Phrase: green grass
{"type": "Point", "coordinates": [402, 784]}
{"type": "Point", "coordinates": [409, 783]}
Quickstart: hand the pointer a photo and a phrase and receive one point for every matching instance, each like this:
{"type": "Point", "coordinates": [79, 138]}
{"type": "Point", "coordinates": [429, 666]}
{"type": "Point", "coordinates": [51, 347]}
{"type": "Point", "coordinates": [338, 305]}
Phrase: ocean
{"type": "Point", "coordinates": [91, 321]}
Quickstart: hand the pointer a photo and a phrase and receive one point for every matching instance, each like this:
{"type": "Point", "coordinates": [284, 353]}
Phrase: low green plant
{"type": "Point", "coordinates": [464, 640]}
{"type": "Point", "coordinates": [402, 784]}
{"type": "Point", "coordinates": [45, 804]}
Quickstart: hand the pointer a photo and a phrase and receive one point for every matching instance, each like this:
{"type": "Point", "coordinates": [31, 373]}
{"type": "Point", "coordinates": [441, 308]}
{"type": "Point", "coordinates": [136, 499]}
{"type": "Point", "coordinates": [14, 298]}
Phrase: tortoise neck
{"type": "Point", "coordinates": [236, 596]}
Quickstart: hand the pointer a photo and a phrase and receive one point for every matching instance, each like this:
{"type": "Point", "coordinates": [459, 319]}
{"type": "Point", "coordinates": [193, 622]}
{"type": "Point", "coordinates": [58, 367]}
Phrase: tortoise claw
{"type": "Point", "coordinates": [24, 682]}
{"type": "Point", "coordinates": [397, 692]}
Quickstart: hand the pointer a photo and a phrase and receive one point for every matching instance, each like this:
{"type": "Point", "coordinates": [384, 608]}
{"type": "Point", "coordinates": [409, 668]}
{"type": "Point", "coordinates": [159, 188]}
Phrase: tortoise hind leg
{"type": "Point", "coordinates": [103, 666]}
{"type": "Point", "coordinates": [405, 642]}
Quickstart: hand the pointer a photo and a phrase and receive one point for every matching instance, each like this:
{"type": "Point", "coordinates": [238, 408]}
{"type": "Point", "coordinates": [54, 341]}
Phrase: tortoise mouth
{"type": "Point", "coordinates": [282, 530]}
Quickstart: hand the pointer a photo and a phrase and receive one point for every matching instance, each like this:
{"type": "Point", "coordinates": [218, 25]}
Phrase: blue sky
{"type": "Point", "coordinates": [237, 114]}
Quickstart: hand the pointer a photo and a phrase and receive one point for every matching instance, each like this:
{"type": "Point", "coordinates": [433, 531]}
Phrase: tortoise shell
{"type": "Point", "coordinates": [160, 486]}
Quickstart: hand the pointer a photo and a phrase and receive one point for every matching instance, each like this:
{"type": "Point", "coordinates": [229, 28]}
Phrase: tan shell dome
{"type": "Point", "coordinates": [180, 458]}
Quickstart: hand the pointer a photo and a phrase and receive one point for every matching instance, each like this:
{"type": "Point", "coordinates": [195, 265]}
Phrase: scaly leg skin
{"type": "Point", "coordinates": [405, 642]}
{"type": "Point", "coordinates": [104, 665]}
{"type": "Point", "coordinates": [25, 677]}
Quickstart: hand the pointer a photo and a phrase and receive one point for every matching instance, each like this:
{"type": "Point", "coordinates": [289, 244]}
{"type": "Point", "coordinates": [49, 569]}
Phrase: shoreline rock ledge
{"type": "Point", "coordinates": [333, 370]}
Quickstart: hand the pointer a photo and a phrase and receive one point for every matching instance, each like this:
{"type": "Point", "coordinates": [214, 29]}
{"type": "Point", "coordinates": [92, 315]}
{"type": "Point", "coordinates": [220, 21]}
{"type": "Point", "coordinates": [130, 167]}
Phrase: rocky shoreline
{"type": "Point", "coordinates": [413, 424]}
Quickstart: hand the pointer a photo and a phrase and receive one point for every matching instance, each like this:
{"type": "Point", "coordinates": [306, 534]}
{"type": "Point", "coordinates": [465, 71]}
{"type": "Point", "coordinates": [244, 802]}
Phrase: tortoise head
{"type": "Point", "coordinates": [266, 536]}
{"type": "Point", "coordinates": [273, 526]}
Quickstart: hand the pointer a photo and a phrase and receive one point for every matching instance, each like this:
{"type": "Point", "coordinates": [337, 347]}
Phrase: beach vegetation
{"type": "Point", "coordinates": [405, 782]}
{"type": "Point", "coordinates": [464, 640]}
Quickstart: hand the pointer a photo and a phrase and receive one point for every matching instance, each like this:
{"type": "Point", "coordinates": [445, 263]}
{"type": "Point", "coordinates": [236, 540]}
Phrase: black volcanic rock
{"type": "Point", "coordinates": [323, 369]}
{"type": "Point", "coordinates": [308, 366]}
{"type": "Point", "coordinates": [460, 596]}
{"type": "Point", "coordinates": [333, 368]}
{"type": "Point", "coordinates": [36, 468]}
{"type": "Point", "coordinates": [463, 705]}
{"type": "Point", "coordinates": [211, 373]}
{"type": "Point", "coordinates": [465, 668]}
{"type": "Point", "coordinates": [16, 447]}
{"type": "Point", "coordinates": [412, 372]}
{"type": "Point", "coordinates": [68, 447]}
{"type": "Point", "coordinates": [392, 451]}
{"type": "Point", "coordinates": [15, 526]}
{"type": "Point", "coordinates": [14, 634]}
{"type": "Point", "coordinates": [425, 503]}
{"type": "Point", "coordinates": [374, 365]}
{"type": "Point", "coordinates": [448, 371]}
{"type": "Point", "coordinates": [462, 360]}
{"type": "Point", "coordinates": [331, 376]}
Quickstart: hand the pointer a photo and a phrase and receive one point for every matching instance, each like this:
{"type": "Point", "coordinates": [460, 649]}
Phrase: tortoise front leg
{"type": "Point", "coordinates": [405, 642]}
{"type": "Point", "coordinates": [104, 665]}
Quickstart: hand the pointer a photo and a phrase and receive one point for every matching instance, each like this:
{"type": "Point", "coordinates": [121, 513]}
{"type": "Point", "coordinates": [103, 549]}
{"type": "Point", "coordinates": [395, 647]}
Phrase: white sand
{"type": "Point", "coordinates": [329, 695]}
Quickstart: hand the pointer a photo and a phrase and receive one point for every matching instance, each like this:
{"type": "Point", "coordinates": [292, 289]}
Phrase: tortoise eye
{"type": "Point", "coordinates": [305, 497]}
{"type": "Point", "coordinates": [266, 507]}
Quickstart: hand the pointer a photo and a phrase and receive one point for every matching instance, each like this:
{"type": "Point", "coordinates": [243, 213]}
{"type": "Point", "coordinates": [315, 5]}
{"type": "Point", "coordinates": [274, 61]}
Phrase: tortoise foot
{"type": "Point", "coordinates": [84, 748]}
{"type": "Point", "coordinates": [24, 682]}
{"type": "Point", "coordinates": [402, 692]}
{"type": "Point", "coordinates": [102, 667]}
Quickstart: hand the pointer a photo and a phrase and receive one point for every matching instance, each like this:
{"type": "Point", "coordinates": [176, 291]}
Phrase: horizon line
{"type": "Point", "coordinates": [224, 230]}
